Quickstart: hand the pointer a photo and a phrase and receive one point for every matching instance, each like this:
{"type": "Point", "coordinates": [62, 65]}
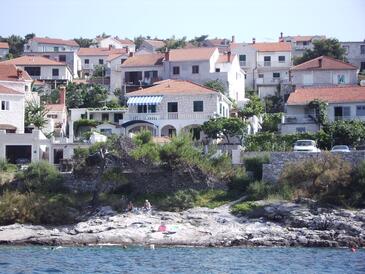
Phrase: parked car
{"type": "Point", "coordinates": [306, 146]}
{"type": "Point", "coordinates": [340, 148]}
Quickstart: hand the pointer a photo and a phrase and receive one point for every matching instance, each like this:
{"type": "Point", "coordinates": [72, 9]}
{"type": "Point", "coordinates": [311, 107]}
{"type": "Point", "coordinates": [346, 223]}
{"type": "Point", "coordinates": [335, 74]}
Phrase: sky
{"type": "Point", "coordinates": [262, 19]}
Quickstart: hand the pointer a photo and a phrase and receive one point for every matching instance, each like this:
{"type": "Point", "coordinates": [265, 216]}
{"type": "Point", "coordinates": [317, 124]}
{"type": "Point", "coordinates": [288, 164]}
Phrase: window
{"type": "Point", "coordinates": [117, 117]}
{"type": "Point", "coordinates": [261, 75]}
{"type": "Point", "coordinates": [172, 107]}
{"type": "Point", "coordinates": [55, 72]}
{"type": "Point", "coordinates": [26, 88]}
{"type": "Point", "coordinates": [198, 106]}
{"type": "Point", "coordinates": [195, 69]}
{"type": "Point", "coordinates": [346, 49]}
{"type": "Point", "coordinates": [276, 75]}
{"type": "Point", "coordinates": [106, 131]}
{"type": "Point", "coordinates": [281, 59]}
{"type": "Point", "coordinates": [362, 66]}
{"type": "Point", "coordinates": [362, 49]}
{"type": "Point", "coordinates": [62, 58]}
{"type": "Point", "coordinates": [91, 116]}
{"type": "Point", "coordinates": [360, 110]}
{"type": "Point", "coordinates": [56, 49]}
{"type": "Point", "coordinates": [105, 116]}
{"type": "Point", "coordinates": [243, 58]}
{"type": "Point", "coordinates": [146, 109]}
{"type": "Point", "coordinates": [305, 43]}
{"type": "Point", "coordinates": [5, 105]}
{"type": "Point", "coordinates": [342, 113]}
{"type": "Point", "coordinates": [300, 129]}
{"type": "Point", "coordinates": [101, 61]}
{"type": "Point", "coordinates": [86, 61]}
{"type": "Point", "coordinates": [53, 116]}
{"type": "Point", "coordinates": [217, 70]}
{"type": "Point", "coordinates": [33, 71]}
{"type": "Point", "coordinates": [150, 74]}
{"type": "Point", "coordinates": [267, 61]}
{"type": "Point", "coordinates": [175, 70]}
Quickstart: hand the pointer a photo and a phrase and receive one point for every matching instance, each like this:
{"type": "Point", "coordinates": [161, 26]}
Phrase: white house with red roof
{"type": "Point", "coordinates": [42, 68]}
{"type": "Point", "coordinates": [343, 103]}
{"type": "Point", "coordinates": [114, 42]}
{"type": "Point", "coordinates": [4, 49]}
{"type": "Point", "coordinates": [45, 44]}
{"type": "Point", "coordinates": [150, 46]}
{"type": "Point", "coordinates": [172, 106]}
{"type": "Point", "coordinates": [355, 53]}
{"type": "Point", "coordinates": [300, 43]}
{"type": "Point", "coordinates": [323, 71]}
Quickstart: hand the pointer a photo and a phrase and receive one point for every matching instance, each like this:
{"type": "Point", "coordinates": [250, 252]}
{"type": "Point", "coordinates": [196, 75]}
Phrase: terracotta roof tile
{"type": "Point", "coordinates": [55, 41]}
{"type": "Point", "coordinates": [125, 41]}
{"type": "Point", "coordinates": [156, 43]}
{"type": "Point", "coordinates": [323, 63]}
{"type": "Point", "coordinates": [8, 72]}
{"type": "Point", "coordinates": [272, 46]}
{"type": "Point", "coordinates": [55, 107]}
{"type": "Point", "coordinates": [306, 38]}
{"type": "Point", "coordinates": [4, 45]}
{"type": "Point", "coordinates": [33, 60]}
{"type": "Point", "coordinates": [144, 60]}
{"type": "Point", "coordinates": [6, 90]}
{"type": "Point", "coordinates": [99, 51]}
{"type": "Point", "coordinates": [167, 87]}
{"type": "Point", "coordinates": [345, 94]}
{"type": "Point", "coordinates": [223, 58]}
{"type": "Point", "coordinates": [193, 54]}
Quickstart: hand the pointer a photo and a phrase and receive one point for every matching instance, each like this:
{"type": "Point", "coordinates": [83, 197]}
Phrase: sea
{"type": "Point", "coordinates": [116, 259]}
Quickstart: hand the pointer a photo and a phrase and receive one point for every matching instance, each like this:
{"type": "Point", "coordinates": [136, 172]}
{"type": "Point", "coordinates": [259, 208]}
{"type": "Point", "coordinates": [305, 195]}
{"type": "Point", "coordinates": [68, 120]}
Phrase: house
{"type": "Point", "coordinates": [301, 43]}
{"type": "Point", "coordinates": [14, 143]}
{"type": "Point", "coordinates": [173, 106]}
{"type": "Point", "coordinates": [108, 120]}
{"type": "Point", "coordinates": [114, 42]}
{"type": "Point", "coordinates": [343, 103]}
{"type": "Point", "coordinates": [4, 50]}
{"type": "Point", "coordinates": [150, 46]}
{"type": "Point", "coordinates": [355, 54]}
{"type": "Point", "coordinates": [221, 44]}
{"type": "Point", "coordinates": [40, 44]}
{"type": "Point", "coordinates": [323, 71]}
{"type": "Point", "coordinates": [42, 68]}
{"type": "Point", "coordinates": [266, 65]}
{"type": "Point", "coordinates": [91, 58]}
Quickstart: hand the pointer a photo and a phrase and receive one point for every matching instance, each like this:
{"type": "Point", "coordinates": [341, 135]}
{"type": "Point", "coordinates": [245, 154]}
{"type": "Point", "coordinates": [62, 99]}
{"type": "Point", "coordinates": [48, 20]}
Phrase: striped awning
{"type": "Point", "coordinates": [144, 100]}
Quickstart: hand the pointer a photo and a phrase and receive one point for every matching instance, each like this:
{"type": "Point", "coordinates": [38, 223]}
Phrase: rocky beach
{"type": "Point", "coordinates": [269, 224]}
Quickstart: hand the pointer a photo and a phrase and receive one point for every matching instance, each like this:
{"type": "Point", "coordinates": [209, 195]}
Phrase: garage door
{"type": "Point", "coordinates": [18, 154]}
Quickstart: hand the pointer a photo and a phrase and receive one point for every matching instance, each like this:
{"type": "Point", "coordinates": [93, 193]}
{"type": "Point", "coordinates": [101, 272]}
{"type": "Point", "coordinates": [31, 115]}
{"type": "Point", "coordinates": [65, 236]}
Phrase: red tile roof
{"type": "Point", "coordinates": [8, 72]}
{"type": "Point", "coordinates": [156, 43]}
{"type": "Point", "coordinates": [4, 45]}
{"type": "Point", "coordinates": [33, 60]}
{"type": "Point", "coordinates": [6, 90]}
{"type": "Point", "coordinates": [192, 54]}
{"type": "Point", "coordinates": [125, 41]}
{"type": "Point", "coordinates": [223, 58]}
{"type": "Point", "coordinates": [272, 46]}
{"type": "Point", "coordinates": [55, 41]}
{"type": "Point", "coordinates": [306, 38]}
{"type": "Point", "coordinates": [344, 94]}
{"type": "Point", "coordinates": [323, 63]}
{"type": "Point", "coordinates": [167, 87]}
{"type": "Point", "coordinates": [144, 60]}
{"type": "Point", "coordinates": [99, 51]}
{"type": "Point", "coordinates": [55, 107]}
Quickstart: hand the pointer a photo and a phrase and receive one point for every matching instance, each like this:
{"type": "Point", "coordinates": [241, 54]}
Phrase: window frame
{"type": "Point", "coordinates": [55, 74]}
{"type": "Point", "coordinates": [172, 107]}
{"type": "Point", "coordinates": [175, 70]}
{"type": "Point", "coordinates": [195, 69]}
{"type": "Point", "coordinates": [198, 106]}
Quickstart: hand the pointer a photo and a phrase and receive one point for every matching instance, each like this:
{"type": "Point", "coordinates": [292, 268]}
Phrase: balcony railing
{"type": "Point", "coordinates": [242, 63]}
{"type": "Point", "coordinates": [298, 119]}
{"type": "Point", "coordinates": [344, 118]}
{"type": "Point", "coordinates": [273, 64]}
{"type": "Point", "coordinates": [271, 81]}
{"type": "Point", "coordinates": [165, 116]}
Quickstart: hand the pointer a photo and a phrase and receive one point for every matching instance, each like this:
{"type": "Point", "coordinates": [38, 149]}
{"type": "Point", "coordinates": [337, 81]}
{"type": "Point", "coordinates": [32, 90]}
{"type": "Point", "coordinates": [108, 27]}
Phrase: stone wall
{"type": "Point", "coordinates": [278, 160]}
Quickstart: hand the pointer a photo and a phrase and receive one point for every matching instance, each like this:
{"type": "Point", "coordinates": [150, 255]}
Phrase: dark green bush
{"type": "Point", "coordinates": [254, 165]}
{"type": "Point", "coordinates": [180, 200]}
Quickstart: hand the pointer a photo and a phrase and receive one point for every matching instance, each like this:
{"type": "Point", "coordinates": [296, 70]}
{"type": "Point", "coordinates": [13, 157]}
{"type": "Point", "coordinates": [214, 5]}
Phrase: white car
{"type": "Point", "coordinates": [306, 146]}
{"type": "Point", "coordinates": [340, 148]}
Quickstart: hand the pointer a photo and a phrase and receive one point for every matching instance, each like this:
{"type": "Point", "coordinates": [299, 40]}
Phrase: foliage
{"type": "Point", "coordinates": [253, 107]}
{"type": "Point", "coordinates": [84, 42]}
{"type": "Point", "coordinates": [180, 200]}
{"type": "Point", "coordinates": [259, 190]}
{"type": "Point", "coordinates": [227, 127]}
{"type": "Point", "coordinates": [213, 198]}
{"type": "Point", "coordinates": [51, 97]}
{"type": "Point", "coordinates": [274, 104]}
{"type": "Point", "coordinates": [138, 41]}
{"type": "Point", "coordinates": [85, 95]}
{"type": "Point", "coordinates": [198, 41]}
{"type": "Point", "coordinates": [254, 164]}
{"type": "Point", "coordinates": [325, 47]}
{"type": "Point", "coordinates": [113, 103]}
{"type": "Point", "coordinates": [216, 85]}
{"type": "Point", "coordinates": [35, 114]}
{"type": "Point", "coordinates": [271, 122]}
{"type": "Point", "coordinates": [99, 71]}
{"type": "Point", "coordinates": [243, 208]}
{"type": "Point", "coordinates": [251, 92]}
{"type": "Point", "coordinates": [6, 167]}
{"type": "Point", "coordinates": [320, 109]}
{"type": "Point", "coordinates": [317, 176]}
{"type": "Point", "coordinates": [173, 43]}
{"type": "Point", "coordinates": [350, 133]}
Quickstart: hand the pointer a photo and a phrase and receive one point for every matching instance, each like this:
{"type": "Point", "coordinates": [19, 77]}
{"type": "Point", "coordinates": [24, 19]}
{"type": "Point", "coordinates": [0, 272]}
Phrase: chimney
{"type": "Point", "coordinates": [19, 73]}
{"type": "Point", "coordinates": [131, 54]}
{"type": "Point", "coordinates": [281, 38]}
{"type": "Point", "coordinates": [62, 95]}
{"type": "Point", "coordinates": [167, 55]}
{"type": "Point", "coordinates": [320, 62]}
{"type": "Point", "coordinates": [233, 39]}
{"type": "Point", "coordinates": [253, 40]}
{"type": "Point", "coordinates": [127, 49]}
{"type": "Point", "coordinates": [229, 56]}
{"type": "Point", "coordinates": [110, 47]}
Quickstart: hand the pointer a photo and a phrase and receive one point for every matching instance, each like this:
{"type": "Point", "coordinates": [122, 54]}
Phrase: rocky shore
{"type": "Point", "coordinates": [270, 224]}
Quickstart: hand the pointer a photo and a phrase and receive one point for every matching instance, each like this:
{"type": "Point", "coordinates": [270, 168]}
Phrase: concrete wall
{"type": "Point", "coordinates": [93, 62]}
{"type": "Point", "coordinates": [46, 73]}
{"type": "Point", "coordinates": [15, 115]}
{"type": "Point", "coordinates": [353, 52]}
{"type": "Point", "coordinates": [323, 77]}
{"type": "Point", "coordinates": [33, 46]}
{"type": "Point", "coordinates": [3, 53]}
{"type": "Point", "coordinates": [271, 172]}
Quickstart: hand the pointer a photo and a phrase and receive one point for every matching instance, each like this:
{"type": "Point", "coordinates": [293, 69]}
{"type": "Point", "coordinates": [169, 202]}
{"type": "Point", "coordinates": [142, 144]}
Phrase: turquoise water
{"type": "Point", "coordinates": [32, 259]}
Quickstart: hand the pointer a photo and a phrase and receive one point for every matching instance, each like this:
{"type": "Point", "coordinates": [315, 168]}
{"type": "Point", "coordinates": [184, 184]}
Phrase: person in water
{"type": "Point", "coordinates": [130, 206]}
{"type": "Point", "coordinates": [147, 206]}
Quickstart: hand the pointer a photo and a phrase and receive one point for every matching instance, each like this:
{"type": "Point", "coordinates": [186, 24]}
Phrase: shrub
{"type": "Point", "coordinates": [41, 177]}
{"type": "Point", "coordinates": [7, 167]}
{"type": "Point", "coordinates": [180, 200]}
{"type": "Point", "coordinates": [214, 198]}
{"type": "Point", "coordinates": [239, 183]}
{"type": "Point", "coordinates": [254, 165]}
{"type": "Point", "coordinates": [259, 190]}
{"type": "Point", "coordinates": [243, 208]}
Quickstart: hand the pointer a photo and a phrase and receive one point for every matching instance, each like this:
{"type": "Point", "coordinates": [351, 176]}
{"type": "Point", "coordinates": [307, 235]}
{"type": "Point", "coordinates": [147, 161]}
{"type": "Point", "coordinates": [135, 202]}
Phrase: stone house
{"type": "Point", "coordinates": [114, 42]}
{"type": "Point", "coordinates": [355, 54]}
{"type": "Point", "coordinates": [323, 71]}
{"type": "Point", "coordinates": [150, 46]}
{"type": "Point", "coordinates": [301, 43]}
{"type": "Point", "coordinates": [4, 49]}
{"type": "Point", "coordinates": [343, 103]}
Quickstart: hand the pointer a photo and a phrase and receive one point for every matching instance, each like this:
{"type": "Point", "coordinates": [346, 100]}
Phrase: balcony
{"type": "Point", "coordinates": [298, 119]}
{"type": "Point", "coordinates": [271, 81]}
{"type": "Point", "coordinates": [165, 116]}
{"type": "Point", "coordinates": [87, 66]}
{"type": "Point", "coordinates": [273, 64]}
{"type": "Point", "coordinates": [243, 63]}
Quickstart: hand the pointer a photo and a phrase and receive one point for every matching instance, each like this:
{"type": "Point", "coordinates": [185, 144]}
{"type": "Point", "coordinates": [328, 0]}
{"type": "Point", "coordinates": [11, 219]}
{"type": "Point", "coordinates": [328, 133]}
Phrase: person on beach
{"type": "Point", "coordinates": [130, 206]}
{"type": "Point", "coordinates": [147, 206]}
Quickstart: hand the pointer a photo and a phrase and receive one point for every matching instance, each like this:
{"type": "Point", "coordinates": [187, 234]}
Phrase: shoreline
{"type": "Point", "coordinates": [273, 224]}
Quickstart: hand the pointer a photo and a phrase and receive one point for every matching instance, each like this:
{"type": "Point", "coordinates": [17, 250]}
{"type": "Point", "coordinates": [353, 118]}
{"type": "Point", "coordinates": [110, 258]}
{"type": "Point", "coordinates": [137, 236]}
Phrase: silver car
{"type": "Point", "coordinates": [340, 148]}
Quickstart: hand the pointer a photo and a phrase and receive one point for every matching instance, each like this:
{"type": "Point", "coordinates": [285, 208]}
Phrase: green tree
{"type": "Point", "coordinates": [173, 43]}
{"type": "Point", "coordinates": [198, 40]}
{"type": "Point", "coordinates": [84, 42]}
{"type": "Point", "coordinates": [35, 114]}
{"type": "Point", "coordinates": [95, 96]}
{"type": "Point", "coordinates": [320, 109]}
{"type": "Point", "coordinates": [253, 107]}
{"type": "Point", "coordinates": [350, 133]}
{"type": "Point", "coordinates": [16, 45]}
{"type": "Point", "coordinates": [228, 127]}
{"type": "Point", "coordinates": [324, 47]}
{"type": "Point", "coordinates": [216, 85]}
{"type": "Point", "coordinates": [138, 41]}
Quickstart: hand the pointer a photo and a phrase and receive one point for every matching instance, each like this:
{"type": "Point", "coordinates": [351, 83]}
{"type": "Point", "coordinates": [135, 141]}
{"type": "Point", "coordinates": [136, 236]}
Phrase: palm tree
{"type": "Point", "coordinates": [36, 114]}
